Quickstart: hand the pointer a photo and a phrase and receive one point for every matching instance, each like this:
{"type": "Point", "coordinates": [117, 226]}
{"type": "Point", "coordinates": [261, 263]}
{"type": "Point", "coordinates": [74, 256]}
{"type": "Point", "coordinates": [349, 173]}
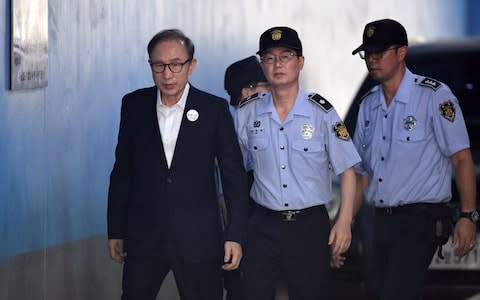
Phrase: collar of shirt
{"type": "Point", "coordinates": [300, 106]}
{"type": "Point", "coordinates": [164, 110]}
{"type": "Point", "coordinates": [403, 92]}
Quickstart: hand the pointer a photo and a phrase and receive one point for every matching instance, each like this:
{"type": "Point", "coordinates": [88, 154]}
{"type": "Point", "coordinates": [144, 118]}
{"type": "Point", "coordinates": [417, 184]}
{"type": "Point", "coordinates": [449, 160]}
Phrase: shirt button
{"type": "Point", "coordinates": [169, 180]}
{"type": "Point", "coordinates": [385, 116]}
{"type": "Point", "coordinates": [286, 204]}
{"type": "Point", "coordinates": [284, 185]}
{"type": "Point", "coordinates": [380, 179]}
{"type": "Point", "coordinates": [383, 137]}
{"type": "Point", "coordinates": [255, 148]}
{"type": "Point", "coordinates": [382, 158]}
{"type": "Point", "coordinates": [305, 149]}
{"type": "Point", "coordinates": [408, 138]}
{"type": "Point", "coordinates": [283, 167]}
{"type": "Point", "coordinates": [281, 128]}
{"type": "Point", "coordinates": [381, 201]}
{"type": "Point", "coordinates": [282, 147]}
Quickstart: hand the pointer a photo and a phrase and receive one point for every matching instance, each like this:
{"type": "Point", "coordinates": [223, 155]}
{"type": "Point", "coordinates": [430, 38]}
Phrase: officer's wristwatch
{"type": "Point", "coordinates": [472, 215]}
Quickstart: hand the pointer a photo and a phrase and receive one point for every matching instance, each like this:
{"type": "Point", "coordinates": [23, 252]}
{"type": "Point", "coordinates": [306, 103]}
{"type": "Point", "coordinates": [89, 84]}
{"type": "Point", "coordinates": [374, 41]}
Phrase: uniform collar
{"type": "Point", "coordinates": [403, 92]}
{"type": "Point", "coordinates": [266, 105]}
{"type": "Point", "coordinates": [299, 107]}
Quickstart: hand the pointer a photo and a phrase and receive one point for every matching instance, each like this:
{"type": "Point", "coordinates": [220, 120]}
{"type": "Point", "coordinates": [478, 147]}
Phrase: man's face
{"type": "Point", "coordinates": [258, 87]}
{"type": "Point", "coordinates": [382, 66]}
{"type": "Point", "coordinates": [171, 84]}
{"type": "Point", "coordinates": [281, 66]}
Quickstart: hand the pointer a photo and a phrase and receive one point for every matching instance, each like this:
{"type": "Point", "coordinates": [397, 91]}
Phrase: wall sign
{"type": "Point", "coordinates": [29, 44]}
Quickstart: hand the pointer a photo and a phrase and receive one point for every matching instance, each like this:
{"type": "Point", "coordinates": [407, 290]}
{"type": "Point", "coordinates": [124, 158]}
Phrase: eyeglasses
{"type": "Point", "coordinates": [284, 57]}
{"type": "Point", "coordinates": [175, 67]}
{"type": "Point", "coordinates": [376, 55]}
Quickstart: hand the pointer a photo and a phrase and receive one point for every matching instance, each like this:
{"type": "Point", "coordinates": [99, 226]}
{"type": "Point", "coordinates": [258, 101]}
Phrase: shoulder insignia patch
{"type": "Point", "coordinates": [431, 83]}
{"type": "Point", "coordinates": [251, 98]}
{"type": "Point", "coordinates": [447, 110]}
{"type": "Point", "coordinates": [341, 131]}
{"type": "Point", "coordinates": [320, 101]}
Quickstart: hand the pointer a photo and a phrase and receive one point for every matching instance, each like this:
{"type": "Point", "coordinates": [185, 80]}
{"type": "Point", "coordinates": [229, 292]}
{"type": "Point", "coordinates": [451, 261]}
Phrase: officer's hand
{"type": "Point", "coordinates": [233, 255]}
{"type": "Point", "coordinates": [115, 247]}
{"type": "Point", "coordinates": [340, 237]}
{"type": "Point", "coordinates": [464, 237]}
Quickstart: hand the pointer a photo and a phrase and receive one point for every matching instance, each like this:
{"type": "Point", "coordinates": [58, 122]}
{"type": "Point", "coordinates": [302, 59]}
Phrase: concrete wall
{"type": "Point", "coordinates": [57, 143]}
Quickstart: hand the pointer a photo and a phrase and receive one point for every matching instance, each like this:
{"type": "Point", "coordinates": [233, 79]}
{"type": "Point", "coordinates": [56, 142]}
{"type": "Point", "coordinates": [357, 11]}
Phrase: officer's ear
{"type": "Point", "coordinates": [402, 52]}
{"type": "Point", "coordinates": [301, 61]}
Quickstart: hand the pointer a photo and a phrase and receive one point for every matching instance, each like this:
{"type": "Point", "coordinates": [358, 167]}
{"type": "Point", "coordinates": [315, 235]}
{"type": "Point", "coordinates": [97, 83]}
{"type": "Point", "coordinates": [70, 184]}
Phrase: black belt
{"type": "Point", "coordinates": [406, 209]}
{"type": "Point", "coordinates": [289, 215]}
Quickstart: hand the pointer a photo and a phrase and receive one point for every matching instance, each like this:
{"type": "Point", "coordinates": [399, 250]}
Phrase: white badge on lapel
{"type": "Point", "coordinates": [192, 115]}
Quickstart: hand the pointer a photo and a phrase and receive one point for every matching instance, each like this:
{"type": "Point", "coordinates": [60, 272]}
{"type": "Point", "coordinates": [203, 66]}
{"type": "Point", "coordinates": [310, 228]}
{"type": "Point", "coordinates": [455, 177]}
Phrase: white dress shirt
{"type": "Point", "coordinates": [169, 121]}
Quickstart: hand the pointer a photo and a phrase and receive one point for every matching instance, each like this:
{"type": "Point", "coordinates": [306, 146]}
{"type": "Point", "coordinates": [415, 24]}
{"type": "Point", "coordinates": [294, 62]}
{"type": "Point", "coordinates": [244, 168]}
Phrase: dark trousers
{"type": "Point", "coordinates": [296, 251]}
{"type": "Point", "coordinates": [232, 281]}
{"type": "Point", "coordinates": [403, 246]}
{"type": "Point", "coordinates": [143, 276]}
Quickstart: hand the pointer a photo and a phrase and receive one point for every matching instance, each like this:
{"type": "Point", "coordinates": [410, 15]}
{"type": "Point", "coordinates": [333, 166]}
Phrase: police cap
{"type": "Point", "coordinates": [381, 34]}
{"type": "Point", "coordinates": [240, 74]}
{"type": "Point", "coordinates": [280, 37]}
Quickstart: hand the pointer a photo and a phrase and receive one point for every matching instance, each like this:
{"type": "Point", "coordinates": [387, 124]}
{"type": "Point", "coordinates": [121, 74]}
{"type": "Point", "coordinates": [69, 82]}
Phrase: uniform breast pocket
{"type": "Point", "coordinates": [417, 135]}
{"type": "Point", "coordinates": [257, 144]}
{"type": "Point", "coordinates": [309, 154]}
{"type": "Point", "coordinates": [367, 138]}
{"type": "Point", "coordinates": [257, 147]}
{"type": "Point", "coordinates": [309, 146]}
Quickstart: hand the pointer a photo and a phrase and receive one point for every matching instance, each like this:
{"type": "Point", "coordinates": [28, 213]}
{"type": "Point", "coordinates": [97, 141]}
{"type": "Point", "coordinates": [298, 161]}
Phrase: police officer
{"type": "Point", "coordinates": [244, 78]}
{"type": "Point", "coordinates": [410, 134]}
{"type": "Point", "coordinates": [292, 139]}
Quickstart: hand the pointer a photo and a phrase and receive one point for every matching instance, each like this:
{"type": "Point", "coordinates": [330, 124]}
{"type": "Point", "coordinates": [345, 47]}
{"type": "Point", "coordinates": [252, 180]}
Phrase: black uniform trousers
{"type": "Point", "coordinates": [403, 246]}
{"type": "Point", "coordinates": [296, 251]}
{"type": "Point", "coordinates": [143, 276]}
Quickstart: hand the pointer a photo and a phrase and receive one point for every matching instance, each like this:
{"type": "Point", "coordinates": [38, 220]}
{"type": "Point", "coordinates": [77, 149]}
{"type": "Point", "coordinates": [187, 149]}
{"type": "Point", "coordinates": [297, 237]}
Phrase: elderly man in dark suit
{"type": "Point", "coordinates": [162, 206]}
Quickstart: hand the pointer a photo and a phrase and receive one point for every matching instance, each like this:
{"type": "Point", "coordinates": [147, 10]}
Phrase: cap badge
{"type": "Point", "coordinates": [370, 31]}
{"type": "Point", "coordinates": [341, 131]}
{"type": "Point", "coordinates": [447, 111]}
{"type": "Point", "coordinates": [307, 131]}
{"type": "Point", "coordinates": [192, 115]}
{"type": "Point", "coordinates": [276, 34]}
{"type": "Point", "coordinates": [409, 123]}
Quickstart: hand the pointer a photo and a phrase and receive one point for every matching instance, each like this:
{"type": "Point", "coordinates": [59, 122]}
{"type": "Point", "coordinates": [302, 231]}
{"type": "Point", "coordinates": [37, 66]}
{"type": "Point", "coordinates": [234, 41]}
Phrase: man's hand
{"type": "Point", "coordinates": [233, 255]}
{"type": "Point", "coordinates": [340, 237]}
{"type": "Point", "coordinates": [115, 248]}
{"type": "Point", "coordinates": [464, 237]}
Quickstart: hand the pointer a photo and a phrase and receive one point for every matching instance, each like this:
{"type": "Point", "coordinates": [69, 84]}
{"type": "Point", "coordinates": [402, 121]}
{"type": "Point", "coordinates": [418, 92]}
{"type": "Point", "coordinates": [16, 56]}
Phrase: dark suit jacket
{"type": "Point", "coordinates": [149, 203]}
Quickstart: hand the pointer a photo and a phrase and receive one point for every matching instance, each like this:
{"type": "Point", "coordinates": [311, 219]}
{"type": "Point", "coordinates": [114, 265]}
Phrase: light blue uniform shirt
{"type": "Point", "coordinates": [406, 147]}
{"type": "Point", "coordinates": [292, 160]}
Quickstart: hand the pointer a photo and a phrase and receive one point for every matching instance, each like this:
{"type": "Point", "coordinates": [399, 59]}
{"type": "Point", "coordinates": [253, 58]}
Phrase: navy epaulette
{"type": "Point", "coordinates": [320, 101]}
{"type": "Point", "coordinates": [431, 83]}
{"type": "Point", "coordinates": [368, 93]}
{"type": "Point", "coordinates": [251, 98]}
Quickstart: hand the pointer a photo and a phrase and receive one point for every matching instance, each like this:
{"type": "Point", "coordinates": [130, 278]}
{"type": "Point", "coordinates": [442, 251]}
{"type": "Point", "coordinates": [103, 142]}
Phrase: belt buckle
{"type": "Point", "coordinates": [289, 215]}
{"type": "Point", "coordinates": [389, 210]}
